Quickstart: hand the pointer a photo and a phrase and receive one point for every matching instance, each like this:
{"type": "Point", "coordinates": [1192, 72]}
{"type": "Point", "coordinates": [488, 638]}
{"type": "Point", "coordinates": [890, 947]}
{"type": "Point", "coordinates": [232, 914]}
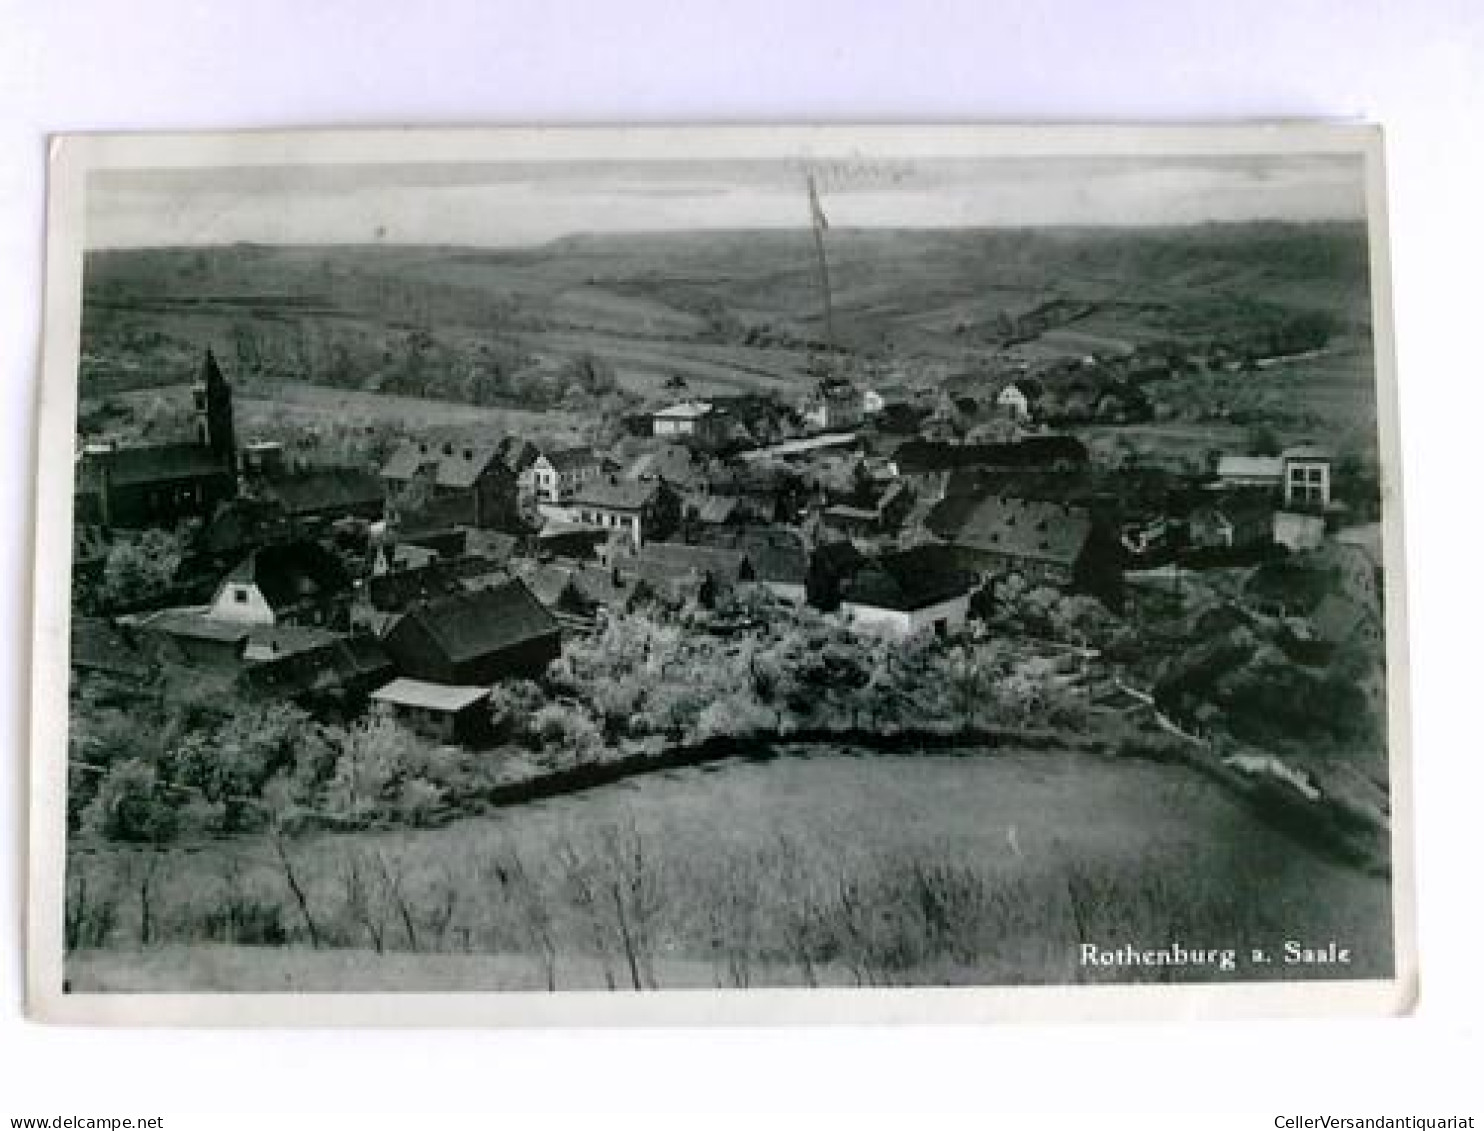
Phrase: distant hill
{"type": "Point", "coordinates": [719, 311]}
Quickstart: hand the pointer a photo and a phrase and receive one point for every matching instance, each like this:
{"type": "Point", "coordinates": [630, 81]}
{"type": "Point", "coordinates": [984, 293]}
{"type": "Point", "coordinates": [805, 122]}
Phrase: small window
{"type": "Point", "coordinates": [239, 595]}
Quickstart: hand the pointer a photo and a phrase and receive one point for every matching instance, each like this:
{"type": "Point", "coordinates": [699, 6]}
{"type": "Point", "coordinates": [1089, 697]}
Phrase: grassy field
{"type": "Point", "coordinates": [684, 304]}
{"type": "Point", "coordinates": [986, 868]}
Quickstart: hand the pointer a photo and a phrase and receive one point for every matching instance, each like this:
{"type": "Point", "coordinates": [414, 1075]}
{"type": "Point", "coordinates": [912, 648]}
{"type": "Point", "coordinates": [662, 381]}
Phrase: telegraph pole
{"type": "Point", "coordinates": [821, 225]}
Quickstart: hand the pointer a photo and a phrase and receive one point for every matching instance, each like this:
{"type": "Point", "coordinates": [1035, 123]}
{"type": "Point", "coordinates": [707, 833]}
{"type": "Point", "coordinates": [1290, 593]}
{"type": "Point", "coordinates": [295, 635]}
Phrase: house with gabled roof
{"type": "Point", "coordinates": [477, 476]}
{"type": "Point", "coordinates": [1054, 543]}
{"type": "Point", "coordinates": [684, 571]}
{"type": "Point", "coordinates": [637, 509]}
{"type": "Point", "coordinates": [438, 711]}
{"type": "Point", "coordinates": [555, 475]}
{"type": "Point", "coordinates": [475, 637]}
{"type": "Point", "coordinates": [907, 592]}
{"type": "Point", "coordinates": [284, 583]}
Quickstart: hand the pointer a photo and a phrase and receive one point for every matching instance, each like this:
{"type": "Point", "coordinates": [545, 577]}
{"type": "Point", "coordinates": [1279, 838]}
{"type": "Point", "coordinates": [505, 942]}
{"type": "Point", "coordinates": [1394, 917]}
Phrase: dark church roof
{"type": "Point", "coordinates": [161, 463]}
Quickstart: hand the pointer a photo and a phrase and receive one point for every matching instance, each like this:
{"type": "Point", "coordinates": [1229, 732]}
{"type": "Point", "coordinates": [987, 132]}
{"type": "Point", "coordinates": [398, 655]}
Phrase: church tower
{"type": "Point", "coordinates": [214, 411]}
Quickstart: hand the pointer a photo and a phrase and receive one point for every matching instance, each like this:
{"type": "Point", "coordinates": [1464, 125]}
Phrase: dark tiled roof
{"type": "Point", "coordinates": [343, 663]}
{"type": "Point", "coordinates": [332, 489]}
{"type": "Point", "coordinates": [472, 625]}
{"type": "Point", "coordinates": [161, 463]}
{"type": "Point", "coordinates": [907, 580]}
{"type": "Point", "coordinates": [617, 494]}
{"type": "Point", "coordinates": [454, 465]}
{"type": "Point", "coordinates": [716, 508]}
{"type": "Point", "coordinates": [674, 463]}
{"type": "Point", "coordinates": [393, 592]}
{"type": "Point", "coordinates": [292, 572]}
{"type": "Point", "coordinates": [569, 458]}
{"type": "Point", "coordinates": [1017, 528]}
{"type": "Point", "coordinates": [918, 456]}
{"type": "Point", "coordinates": [671, 561]}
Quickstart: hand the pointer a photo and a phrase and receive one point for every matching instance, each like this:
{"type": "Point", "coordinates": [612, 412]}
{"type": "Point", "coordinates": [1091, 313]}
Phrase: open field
{"type": "Point", "coordinates": [990, 867]}
{"type": "Point", "coordinates": [727, 311]}
{"type": "Point", "coordinates": [299, 409]}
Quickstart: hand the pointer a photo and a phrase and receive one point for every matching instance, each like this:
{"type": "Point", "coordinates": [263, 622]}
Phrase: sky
{"type": "Point", "coordinates": [524, 204]}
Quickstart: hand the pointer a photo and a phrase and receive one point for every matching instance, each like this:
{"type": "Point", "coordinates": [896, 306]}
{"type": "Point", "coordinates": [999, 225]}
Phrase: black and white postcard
{"type": "Point", "coordinates": [693, 575]}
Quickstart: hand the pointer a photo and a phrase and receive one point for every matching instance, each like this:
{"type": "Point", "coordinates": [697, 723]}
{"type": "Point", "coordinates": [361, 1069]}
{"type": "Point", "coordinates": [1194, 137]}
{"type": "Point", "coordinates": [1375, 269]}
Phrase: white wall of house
{"type": "Point", "coordinates": [1013, 401]}
{"type": "Point", "coordinates": [1298, 531]}
{"type": "Point", "coordinates": [902, 624]}
{"type": "Point", "coordinates": [1306, 482]}
{"type": "Point", "coordinates": [241, 602]}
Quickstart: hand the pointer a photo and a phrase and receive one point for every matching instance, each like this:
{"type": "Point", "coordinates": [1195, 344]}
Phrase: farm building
{"type": "Point", "coordinates": [475, 638]}
{"type": "Point", "coordinates": [556, 475]}
{"type": "Point", "coordinates": [323, 494]}
{"type": "Point", "coordinates": [1054, 543]}
{"type": "Point", "coordinates": [439, 711]}
{"type": "Point", "coordinates": [691, 572]}
{"type": "Point", "coordinates": [1232, 523]}
{"type": "Point", "coordinates": [1298, 530]}
{"type": "Point", "coordinates": [693, 420]}
{"type": "Point", "coordinates": [675, 464]}
{"type": "Point", "coordinates": [335, 676]}
{"type": "Point", "coordinates": [639, 509]}
{"type": "Point", "coordinates": [921, 589]}
{"type": "Point", "coordinates": [287, 583]}
{"type": "Point", "coordinates": [1250, 471]}
{"type": "Point", "coordinates": [475, 483]}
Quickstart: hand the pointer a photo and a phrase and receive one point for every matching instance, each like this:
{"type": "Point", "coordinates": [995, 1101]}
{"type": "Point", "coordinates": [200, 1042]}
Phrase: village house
{"type": "Point", "coordinates": [928, 464]}
{"type": "Point", "coordinates": [473, 482]}
{"type": "Point", "coordinates": [475, 638]}
{"type": "Point", "coordinates": [319, 495]}
{"type": "Point", "coordinates": [1238, 521]}
{"type": "Point", "coordinates": [555, 476]}
{"type": "Point", "coordinates": [333, 678]}
{"type": "Point", "coordinates": [288, 583]}
{"type": "Point", "coordinates": [685, 572]}
{"type": "Point", "coordinates": [1298, 530]}
{"type": "Point", "coordinates": [1018, 399]}
{"type": "Point", "coordinates": [908, 592]}
{"type": "Point", "coordinates": [778, 556]}
{"type": "Point", "coordinates": [1300, 475]}
{"type": "Point", "coordinates": [1306, 477]}
{"type": "Point", "coordinates": [442, 712]}
{"type": "Point", "coordinates": [1051, 543]}
{"type": "Point", "coordinates": [834, 405]}
{"type": "Point", "coordinates": [677, 465]}
{"type": "Point", "coordinates": [689, 420]}
{"type": "Point", "coordinates": [637, 509]}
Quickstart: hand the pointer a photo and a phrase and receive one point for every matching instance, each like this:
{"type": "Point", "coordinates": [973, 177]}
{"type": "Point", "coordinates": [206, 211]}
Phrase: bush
{"type": "Point", "coordinates": [131, 805]}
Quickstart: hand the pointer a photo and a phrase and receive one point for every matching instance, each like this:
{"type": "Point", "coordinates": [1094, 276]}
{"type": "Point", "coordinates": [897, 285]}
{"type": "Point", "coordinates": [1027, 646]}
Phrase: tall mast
{"type": "Point", "coordinates": [821, 225]}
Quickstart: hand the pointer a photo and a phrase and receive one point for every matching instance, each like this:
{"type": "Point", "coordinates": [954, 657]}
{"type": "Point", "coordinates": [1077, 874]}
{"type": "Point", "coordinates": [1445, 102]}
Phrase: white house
{"type": "Point", "coordinates": [1017, 399]}
{"type": "Point", "coordinates": [556, 476]}
{"type": "Point", "coordinates": [688, 418]}
{"type": "Point", "coordinates": [1306, 476]}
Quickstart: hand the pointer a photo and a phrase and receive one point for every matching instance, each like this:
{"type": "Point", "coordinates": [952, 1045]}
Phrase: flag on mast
{"type": "Point", "coordinates": [815, 211]}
